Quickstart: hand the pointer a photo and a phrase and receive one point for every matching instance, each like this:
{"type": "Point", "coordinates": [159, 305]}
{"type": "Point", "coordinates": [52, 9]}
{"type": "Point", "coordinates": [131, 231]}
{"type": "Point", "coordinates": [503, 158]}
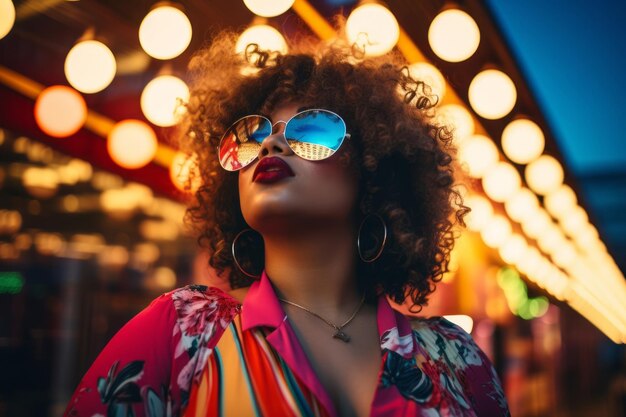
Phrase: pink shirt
{"type": "Point", "coordinates": [198, 351]}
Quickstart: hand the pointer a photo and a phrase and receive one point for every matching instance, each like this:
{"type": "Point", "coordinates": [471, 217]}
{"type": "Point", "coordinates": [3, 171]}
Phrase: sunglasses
{"type": "Point", "coordinates": [313, 134]}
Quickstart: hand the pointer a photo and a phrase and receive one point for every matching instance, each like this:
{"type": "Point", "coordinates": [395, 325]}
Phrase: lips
{"type": "Point", "coordinates": [271, 169]}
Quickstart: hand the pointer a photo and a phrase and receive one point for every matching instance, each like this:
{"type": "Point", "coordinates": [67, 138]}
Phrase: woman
{"type": "Point", "coordinates": [326, 190]}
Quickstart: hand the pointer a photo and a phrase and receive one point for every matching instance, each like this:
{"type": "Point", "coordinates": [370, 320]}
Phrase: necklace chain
{"type": "Point", "coordinates": [339, 334]}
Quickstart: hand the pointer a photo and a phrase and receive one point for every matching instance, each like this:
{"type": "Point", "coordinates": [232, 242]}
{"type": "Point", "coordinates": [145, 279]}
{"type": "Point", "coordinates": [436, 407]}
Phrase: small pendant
{"type": "Point", "coordinates": [342, 336]}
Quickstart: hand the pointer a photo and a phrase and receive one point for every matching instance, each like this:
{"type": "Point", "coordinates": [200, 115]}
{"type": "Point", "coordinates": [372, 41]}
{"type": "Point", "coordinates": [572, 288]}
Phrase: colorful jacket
{"type": "Point", "coordinates": [196, 351]}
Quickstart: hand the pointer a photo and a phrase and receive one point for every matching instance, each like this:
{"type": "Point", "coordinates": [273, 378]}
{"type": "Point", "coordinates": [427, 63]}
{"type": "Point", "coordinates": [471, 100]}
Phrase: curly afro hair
{"type": "Point", "coordinates": [403, 157]}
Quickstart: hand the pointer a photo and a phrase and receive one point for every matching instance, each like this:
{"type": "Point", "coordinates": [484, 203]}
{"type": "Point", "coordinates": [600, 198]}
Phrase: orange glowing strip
{"type": "Point", "coordinates": [316, 22]}
{"type": "Point", "coordinates": [96, 122]}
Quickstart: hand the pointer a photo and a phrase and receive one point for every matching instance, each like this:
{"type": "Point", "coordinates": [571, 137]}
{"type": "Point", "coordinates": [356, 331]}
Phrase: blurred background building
{"type": "Point", "coordinates": [91, 201]}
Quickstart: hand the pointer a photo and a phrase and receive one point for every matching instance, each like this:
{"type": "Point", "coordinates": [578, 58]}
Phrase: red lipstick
{"type": "Point", "coordinates": [271, 169]}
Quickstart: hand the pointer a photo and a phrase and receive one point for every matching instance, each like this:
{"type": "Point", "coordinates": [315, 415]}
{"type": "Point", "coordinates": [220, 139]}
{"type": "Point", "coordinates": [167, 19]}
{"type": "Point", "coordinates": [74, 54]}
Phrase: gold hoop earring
{"type": "Point", "coordinates": [378, 244]}
{"type": "Point", "coordinates": [234, 253]}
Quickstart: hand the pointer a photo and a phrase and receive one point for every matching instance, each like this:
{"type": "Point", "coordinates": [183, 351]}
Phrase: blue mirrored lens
{"type": "Point", "coordinates": [315, 134]}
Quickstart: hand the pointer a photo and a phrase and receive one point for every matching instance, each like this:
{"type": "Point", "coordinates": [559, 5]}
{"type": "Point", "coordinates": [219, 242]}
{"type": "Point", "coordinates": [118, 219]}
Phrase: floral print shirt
{"type": "Point", "coordinates": [196, 351]}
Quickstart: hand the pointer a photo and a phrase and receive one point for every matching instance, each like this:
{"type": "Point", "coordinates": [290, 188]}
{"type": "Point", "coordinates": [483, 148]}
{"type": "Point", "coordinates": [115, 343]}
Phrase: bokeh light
{"type": "Point", "coordinates": [268, 8]}
{"type": "Point", "coordinates": [560, 201]}
{"type": "Point", "coordinates": [132, 144]}
{"type": "Point", "coordinates": [477, 154]}
{"type": "Point", "coordinates": [165, 32]}
{"type": "Point", "coordinates": [522, 141]}
{"type": "Point", "coordinates": [501, 181]}
{"type": "Point", "coordinates": [521, 204]}
{"type": "Point", "coordinates": [480, 214]}
{"type": "Point", "coordinates": [90, 66]}
{"type": "Point", "coordinates": [458, 119]}
{"type": "Point", "coordinates": [373, 28]}
{"type": "Point", "coordinates": [492, 94]}
{"type": "Point", "coordinates": [162, 98]}
{"type": "Point", "coordinates": [7, 17]}
{"type": "Point", "coordinates": [454, 35]}
{"type": "Point", "coordinates": [265, 36]}
{"type": "Point", "coordinates": [60, 111]}
{"type": "Point", "coordinates": [431, 76]}
{"type": "Point", "coordinates": [496, 232]}
{"type": "Point", "coordinates": [544, 174]}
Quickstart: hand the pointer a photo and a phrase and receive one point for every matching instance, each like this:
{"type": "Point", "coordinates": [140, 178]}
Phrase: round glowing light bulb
{"type": "Point", "coordinates": [60, 111]}
{"type": "Point", "coordinates": [513, 249]}
{"type": "Point", "coordinates": [544, 174]}
{"type": "Point", "coordinates": [477, 154]}
{"type": "Point", "coordinates": [184, 172]}
{"type": "Point", "coordinates": [534, 224]}
{"type": "Point", "coordinates": [480, 214]}
{"type": "Point", "coordinates": [431, 76]}
{"type": "Point", "coordinates": [564, 255]}
{"type": "Point", "coordinates": [7, 17]}
{"type": "Point", "coordinates": [560, 201]}
{"type": "Point", "coordinates": [132, 143]}
{"type": "Point", "coordinates": [492, 94]}
{"type": "Point", "coordinates": [165, 32]}
{"type": "Point", "coordinates": [454, 35]}
{"type": "Point", "coordinates": [459, 120]}
{"type": "Point", "coordinates": [268, 39]}
{"type": "Point", "coordinates": [162, 98]}
{"type": "Point", "coordinates": [496, 232]}
{"type": "Point", "coordinates": [268, 8]}
{"type": "Point", "coordinates": [90, 66]}
{"type": "Point", "coordinates": [521, 204]}
{"type": "Point", "coordinates": [501, 181]}
{"type": "Point", "coordinates": [522, 141]}
{"type": "Point", "coordinates": [550, 239]}
{"type": "Point", "coordinates": [373, 28]}
{"type": "Point", "coordinates": [575, 221]}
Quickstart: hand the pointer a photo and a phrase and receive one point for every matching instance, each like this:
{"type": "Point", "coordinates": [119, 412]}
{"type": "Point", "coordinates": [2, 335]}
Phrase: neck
{"type": "Point", "coordinates": [315, 269]}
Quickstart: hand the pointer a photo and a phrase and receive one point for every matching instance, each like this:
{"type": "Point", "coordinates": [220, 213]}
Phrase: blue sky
{"type": "Point", "coordinates": [573, 54]}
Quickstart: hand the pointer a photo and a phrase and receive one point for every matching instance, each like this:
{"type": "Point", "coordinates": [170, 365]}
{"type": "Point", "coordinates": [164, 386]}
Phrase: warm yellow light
{"type": "Point", "coordinates": [266, 37]}
{"type": "Point", "coordinates": [529, 261]}
{"type": "Point", "coordinates": [40, 182]}
{"type": "Point", "coordinates": [373, 28]}
{"type": "Point", "coordinates": [492, 94]}
{"type": "Point", "coordinates": [132, 144]}
{"type": "Point", "coordinates": [90, 66]}
{"type": "Point", "coordinates": [162, 99]}
{"type": "Point", "coordinates": [544, 174]}
{"type": "Point", "coordinates": [521, 204]}
{"type": "Point", "coordinates": [463, 321]}
{"type": "Point", "coordinates": [268, 8]}
{"type": "Point", "coordinates": [564, 255]}
{"type": "Point", "coordinates": [165, 32]}
{"type": "Point", "coordinates": [60, 111]}
{"type": "Point", "coordinates": [560, 201]}
{"type": "Point", "coordinates": [550, 239]}
{"type": "Point", "coordinates": [496, 232]}
{"type": "Point", "coordinates": [453, 35]}
{"type": "Point", "coordinates": [7, 17]}
{"type": "Point", "coordinates": [184, 172]}
{"type": "Point", "coordinates": [513, 249]}
{"type": "Point", "coordinates": [534, 224]}
{"type": "Point", "coordinates": [501, 181]}
{"type": "Point", "coordinates": [477, 154]}
{"type": "Point", "coordinates": [431, 76]}
{"type": "Point", "coordinates": [480, 214]}
{"type": "Point", "coordinates": [458, 119]}
{"type": "Point", "coordinates": [575, 221]}
{"type": "Point", "coordinates": [587, 235]}
{"type": "Point", "coordinates": [522, 141]}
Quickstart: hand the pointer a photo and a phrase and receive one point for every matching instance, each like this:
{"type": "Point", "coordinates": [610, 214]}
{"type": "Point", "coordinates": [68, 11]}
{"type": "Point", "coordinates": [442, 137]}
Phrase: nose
{"type": "Point", "coordinates": [276, 142]}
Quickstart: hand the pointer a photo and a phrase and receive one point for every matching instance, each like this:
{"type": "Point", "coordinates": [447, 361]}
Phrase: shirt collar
{"type": "Point", "coordinates": [261, 307]}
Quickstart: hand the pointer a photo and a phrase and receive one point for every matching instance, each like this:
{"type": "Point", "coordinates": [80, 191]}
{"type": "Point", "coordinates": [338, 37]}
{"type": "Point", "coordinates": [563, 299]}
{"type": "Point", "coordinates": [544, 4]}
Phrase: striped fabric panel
{"type": "Point", "coordinates": [245, 377]}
